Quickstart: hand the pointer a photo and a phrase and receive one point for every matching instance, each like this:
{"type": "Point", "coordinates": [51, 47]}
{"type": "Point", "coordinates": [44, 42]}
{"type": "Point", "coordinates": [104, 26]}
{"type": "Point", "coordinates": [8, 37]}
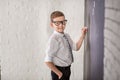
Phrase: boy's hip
{"type": "Point", "coordinates": [66, 73]}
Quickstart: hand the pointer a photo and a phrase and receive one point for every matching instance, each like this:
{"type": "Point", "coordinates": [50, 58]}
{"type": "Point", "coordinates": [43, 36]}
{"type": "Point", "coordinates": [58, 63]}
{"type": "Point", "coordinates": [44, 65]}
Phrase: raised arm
{"type": "Point", "coordinates": [79, 42]}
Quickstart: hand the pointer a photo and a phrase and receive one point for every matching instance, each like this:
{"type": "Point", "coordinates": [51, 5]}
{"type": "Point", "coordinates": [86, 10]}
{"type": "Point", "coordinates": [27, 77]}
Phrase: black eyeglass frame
{"type": "Point", "coordinates": [57, 23]}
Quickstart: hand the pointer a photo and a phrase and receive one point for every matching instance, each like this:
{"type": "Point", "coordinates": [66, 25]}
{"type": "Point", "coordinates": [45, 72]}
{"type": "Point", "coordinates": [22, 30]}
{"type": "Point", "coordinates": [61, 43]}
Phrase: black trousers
{"type": "Point", "coordinates": [66, 73]}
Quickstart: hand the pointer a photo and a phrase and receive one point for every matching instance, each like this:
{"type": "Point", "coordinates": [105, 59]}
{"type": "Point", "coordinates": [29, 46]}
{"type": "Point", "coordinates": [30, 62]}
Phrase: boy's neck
{"type": "Point", "coordinates": [60, 32]}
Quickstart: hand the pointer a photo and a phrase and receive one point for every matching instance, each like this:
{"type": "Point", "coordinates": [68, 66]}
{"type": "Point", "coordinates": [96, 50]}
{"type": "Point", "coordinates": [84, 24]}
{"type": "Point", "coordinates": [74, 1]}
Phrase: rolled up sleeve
{"type": "Point", "coordinates": [51, 50]}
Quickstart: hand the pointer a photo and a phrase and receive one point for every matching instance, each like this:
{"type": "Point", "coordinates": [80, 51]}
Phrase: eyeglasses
{"type": "Point", "coordinates": [57, 23]}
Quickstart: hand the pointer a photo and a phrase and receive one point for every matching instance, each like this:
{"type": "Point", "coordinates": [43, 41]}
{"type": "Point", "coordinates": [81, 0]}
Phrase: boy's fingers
{"type": "Point", "coordinates": [86, 28]}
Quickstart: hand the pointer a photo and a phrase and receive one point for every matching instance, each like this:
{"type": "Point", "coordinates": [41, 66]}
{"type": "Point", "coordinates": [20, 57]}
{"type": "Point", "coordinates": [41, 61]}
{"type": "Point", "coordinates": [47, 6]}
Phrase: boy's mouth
{"type": "Point", "coordinates": [60, 28]}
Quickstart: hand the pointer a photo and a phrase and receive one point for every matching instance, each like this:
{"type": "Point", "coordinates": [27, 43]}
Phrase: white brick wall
{"type": "Point", "coordinates": [112, 40]}
{"type": "Point", "coordinates": [24, 25]}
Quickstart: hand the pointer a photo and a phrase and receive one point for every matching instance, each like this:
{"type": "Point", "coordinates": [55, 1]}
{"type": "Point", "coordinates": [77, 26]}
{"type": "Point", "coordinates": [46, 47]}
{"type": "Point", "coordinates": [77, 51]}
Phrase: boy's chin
{"type": "Point", "coordinates": [61, 31]}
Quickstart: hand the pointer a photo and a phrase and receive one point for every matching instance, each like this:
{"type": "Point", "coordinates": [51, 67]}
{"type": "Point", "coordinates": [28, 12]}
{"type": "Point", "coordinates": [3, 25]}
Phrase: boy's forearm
{"type": "Point", "coordinates": [79, 43]}
{"type": "Point", "coordinates": [53, 68]}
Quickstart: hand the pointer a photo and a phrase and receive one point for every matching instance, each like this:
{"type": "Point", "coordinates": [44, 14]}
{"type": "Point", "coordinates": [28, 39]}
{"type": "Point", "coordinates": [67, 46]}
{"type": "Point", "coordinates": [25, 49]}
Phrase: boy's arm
{"type": "Point", "coordinates": [54, 69]}
{"type": "Point", "coordinates": [79, 42]}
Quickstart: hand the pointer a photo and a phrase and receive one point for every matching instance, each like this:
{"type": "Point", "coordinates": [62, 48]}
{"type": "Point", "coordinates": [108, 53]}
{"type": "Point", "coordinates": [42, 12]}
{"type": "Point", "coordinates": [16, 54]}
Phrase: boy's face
{"type": "Point", "coordinates": [59, 24]}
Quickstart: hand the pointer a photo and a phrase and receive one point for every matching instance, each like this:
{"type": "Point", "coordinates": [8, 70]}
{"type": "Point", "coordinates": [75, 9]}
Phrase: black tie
{"type": "Point", "coordinates": [70, 49]}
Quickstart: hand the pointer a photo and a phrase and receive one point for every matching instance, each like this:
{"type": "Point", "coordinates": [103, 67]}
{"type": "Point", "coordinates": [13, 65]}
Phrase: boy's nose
{"type": "Point", "coordinates": [61, 25]}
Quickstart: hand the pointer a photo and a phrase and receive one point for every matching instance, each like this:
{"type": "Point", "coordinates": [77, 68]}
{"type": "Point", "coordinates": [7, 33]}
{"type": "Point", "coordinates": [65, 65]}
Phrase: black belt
{"type": "Point", "coordinates": [66, 67]}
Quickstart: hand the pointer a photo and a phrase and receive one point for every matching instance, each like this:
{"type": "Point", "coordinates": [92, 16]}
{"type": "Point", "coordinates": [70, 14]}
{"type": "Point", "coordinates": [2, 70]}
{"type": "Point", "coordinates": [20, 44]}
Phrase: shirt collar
{"type": "Point", "coordinates": [61, 34]}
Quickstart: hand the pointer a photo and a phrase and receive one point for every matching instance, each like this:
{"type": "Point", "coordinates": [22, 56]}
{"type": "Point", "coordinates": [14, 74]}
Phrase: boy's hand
{"type": "Point", "coordinates": [54, 69]}
{"type": "Point", "coordinates": [60, 75]}
{"type": "Point", "coordinates": [84, 30]}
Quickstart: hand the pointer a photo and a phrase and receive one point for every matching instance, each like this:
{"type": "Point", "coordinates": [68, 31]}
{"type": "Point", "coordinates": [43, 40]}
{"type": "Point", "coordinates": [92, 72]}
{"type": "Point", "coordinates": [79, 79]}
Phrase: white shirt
{"type": "Point", "coordinates": [58, 50]}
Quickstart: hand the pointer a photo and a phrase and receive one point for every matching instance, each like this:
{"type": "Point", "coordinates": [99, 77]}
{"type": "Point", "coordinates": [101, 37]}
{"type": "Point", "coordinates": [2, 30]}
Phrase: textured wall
{"type": "Point", "coordinates": [112, 40]}
{"type": "Point", "coordinates": [24, 25]}
{"type": "Point", "coordinates": [24, 35]}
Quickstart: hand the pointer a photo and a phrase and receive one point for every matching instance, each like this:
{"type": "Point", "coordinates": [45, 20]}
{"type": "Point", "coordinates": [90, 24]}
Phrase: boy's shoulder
{"type": "Point", "coordinates": [54, 37]}
{"type": "Point", "coordinates": [57, 37]}
{"type": "Point", "coordinates": [67, 35]}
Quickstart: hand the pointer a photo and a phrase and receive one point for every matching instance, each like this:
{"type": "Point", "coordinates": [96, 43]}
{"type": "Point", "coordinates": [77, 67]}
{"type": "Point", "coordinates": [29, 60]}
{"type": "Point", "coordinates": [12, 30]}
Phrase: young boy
{"type": "Point", "coordinates": [59, 55]}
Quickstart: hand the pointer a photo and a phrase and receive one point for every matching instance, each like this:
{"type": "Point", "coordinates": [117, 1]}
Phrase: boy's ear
{"type": "Point", "coordinates": [51, 24]}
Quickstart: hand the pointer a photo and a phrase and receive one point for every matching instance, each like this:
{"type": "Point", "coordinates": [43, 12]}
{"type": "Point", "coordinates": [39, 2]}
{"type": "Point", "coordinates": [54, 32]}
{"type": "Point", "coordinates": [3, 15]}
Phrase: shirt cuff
{"type": "Point", "coordinates": [48, 59]}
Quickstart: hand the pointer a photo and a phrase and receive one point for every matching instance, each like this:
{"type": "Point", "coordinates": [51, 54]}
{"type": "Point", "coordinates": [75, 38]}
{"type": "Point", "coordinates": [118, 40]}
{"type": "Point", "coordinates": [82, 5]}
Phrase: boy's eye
{"type": "Point", "coordinates": [57, 23]}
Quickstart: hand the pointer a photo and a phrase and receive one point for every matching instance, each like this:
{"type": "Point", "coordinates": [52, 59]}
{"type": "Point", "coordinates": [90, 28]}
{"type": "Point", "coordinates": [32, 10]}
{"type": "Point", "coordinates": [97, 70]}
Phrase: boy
{"type": "Point", "coordinates": [59, 55]}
